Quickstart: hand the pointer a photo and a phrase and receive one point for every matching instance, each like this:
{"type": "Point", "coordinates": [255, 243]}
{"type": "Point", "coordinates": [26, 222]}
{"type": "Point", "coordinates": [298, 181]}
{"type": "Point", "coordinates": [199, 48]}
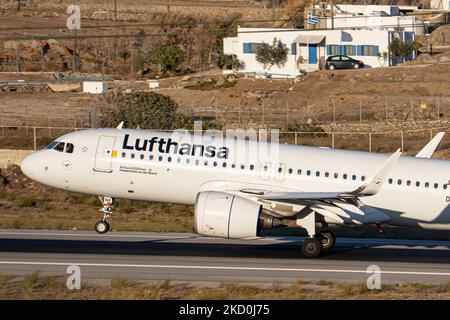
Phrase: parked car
{"type": "Point", "coordinates": [343, 62]}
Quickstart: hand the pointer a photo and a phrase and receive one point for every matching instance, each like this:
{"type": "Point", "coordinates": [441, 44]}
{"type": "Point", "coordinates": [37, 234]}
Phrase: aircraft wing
{"type": "Point", "coordinates": [371, 187]}
{"type": "Point", "coordinates": [431, 146]}
{"type": "Point", "coordinates": [342, 207]}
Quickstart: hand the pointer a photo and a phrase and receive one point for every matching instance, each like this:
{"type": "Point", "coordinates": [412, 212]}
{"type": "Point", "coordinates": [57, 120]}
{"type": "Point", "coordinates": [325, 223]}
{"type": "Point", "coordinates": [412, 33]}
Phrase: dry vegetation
{"type": "Point", "coordinates": [35, 286]}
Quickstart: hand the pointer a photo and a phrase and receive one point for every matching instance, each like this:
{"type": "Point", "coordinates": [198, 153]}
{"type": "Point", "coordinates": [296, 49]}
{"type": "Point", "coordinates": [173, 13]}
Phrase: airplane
{"type": "Point", "coordinates": [237, 197]}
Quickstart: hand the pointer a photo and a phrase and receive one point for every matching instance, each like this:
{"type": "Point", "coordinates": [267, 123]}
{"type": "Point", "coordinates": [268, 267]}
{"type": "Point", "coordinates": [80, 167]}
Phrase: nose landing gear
{"type": "Point", "coordinates": [102, 226]}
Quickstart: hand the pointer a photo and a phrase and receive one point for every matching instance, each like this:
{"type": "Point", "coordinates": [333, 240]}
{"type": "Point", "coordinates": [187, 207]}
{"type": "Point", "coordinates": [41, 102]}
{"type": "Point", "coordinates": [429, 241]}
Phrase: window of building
{"type": "Point", "coordinates": [333, 49]}
{"type": "Point", "coordinates": [294, 49]}
{"type": "Point", "coordinates": [251, 47]}
{"type": "Point", "coordinates": [367, 50]}
{"type": "Point", "coordinates": [348, 50]}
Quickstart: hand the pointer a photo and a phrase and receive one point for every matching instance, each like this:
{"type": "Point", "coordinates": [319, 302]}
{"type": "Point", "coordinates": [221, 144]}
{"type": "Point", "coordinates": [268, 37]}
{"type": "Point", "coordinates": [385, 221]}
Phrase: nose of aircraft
{"type": "Point", "coordinates": [28, 166]}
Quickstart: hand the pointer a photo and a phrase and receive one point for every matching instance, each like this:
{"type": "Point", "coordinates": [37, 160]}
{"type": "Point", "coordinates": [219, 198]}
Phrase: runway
{"type": "Point", "coordinates": [193, 258]}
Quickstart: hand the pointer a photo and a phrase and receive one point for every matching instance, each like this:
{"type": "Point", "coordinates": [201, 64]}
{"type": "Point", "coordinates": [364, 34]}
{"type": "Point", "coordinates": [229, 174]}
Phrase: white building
{"type": "Point", "coordinates": [391, 23]}
{"type": "Point", "coordinates": [364, 10]}
{"type": "Point", "coordinates": [440, 4]}
{"type": "Point", "coordinates": [309, 48]}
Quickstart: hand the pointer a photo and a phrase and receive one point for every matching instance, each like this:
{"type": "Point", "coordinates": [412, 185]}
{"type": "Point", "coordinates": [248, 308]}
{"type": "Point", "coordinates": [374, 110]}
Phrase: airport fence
{"type": "Point", "coordinates": [410, 141]}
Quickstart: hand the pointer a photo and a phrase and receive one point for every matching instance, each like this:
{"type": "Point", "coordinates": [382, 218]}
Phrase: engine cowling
{"type": "Point", "coordinates": [218, 214]}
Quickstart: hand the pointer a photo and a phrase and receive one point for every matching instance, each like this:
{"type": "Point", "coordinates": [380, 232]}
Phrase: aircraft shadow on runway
{"type": "Point", "coordinates": [290, 250]}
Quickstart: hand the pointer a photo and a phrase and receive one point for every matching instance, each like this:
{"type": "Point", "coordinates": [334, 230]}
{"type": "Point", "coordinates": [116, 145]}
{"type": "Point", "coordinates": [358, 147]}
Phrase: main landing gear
{"type": "Point", "coordinates": [315, 245]}
{"type": "Point", "coordinates": [317, 242]}
{"type": "Point", "coordinates": [102, 226]}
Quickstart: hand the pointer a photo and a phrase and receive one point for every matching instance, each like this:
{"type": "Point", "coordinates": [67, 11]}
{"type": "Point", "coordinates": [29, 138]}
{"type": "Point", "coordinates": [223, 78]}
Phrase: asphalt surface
{"type": "Point", "coordinates": [192, 258]}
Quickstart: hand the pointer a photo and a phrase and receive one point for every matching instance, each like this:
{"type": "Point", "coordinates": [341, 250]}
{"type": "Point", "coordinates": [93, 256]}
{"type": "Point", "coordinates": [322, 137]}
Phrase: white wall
{"type": "Point", "coordinates": [230, 45]}
{"type": "Point", "coordinates": [440, 4]}
{"type": "Point", "coordinates": [377, 23]}
{"type": "Point", "coordinates": [287, 36]}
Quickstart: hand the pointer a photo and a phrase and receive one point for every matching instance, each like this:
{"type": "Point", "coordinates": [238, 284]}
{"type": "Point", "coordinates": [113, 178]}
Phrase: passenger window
{"type": "Point", "coordinates": [336, 175]}
{"type": "Point", "coordinates": [317, 173]}
{"type": "Point", "coordinates": [290, 170]}
{"type": "Point", "coordinates": [160, 158]}
{"type": "Point", "coordinates": [308, 173]}
{"type": "Point", "coordinates": [141, 157]}
{"type": "Point", "coordinates": [188, 160]}
{"type": "Point", "coordinates": [344, 176]}
{"type": "Point", "coordinates": [353, 177]}
{"type": "Point", "coordinates": [252, 167]}
{"type": "Point", "coordinates": [299, 171]}
{"type": "Point", "coordinates": [363, 178]}
{"type": "Point", "coordinates": [215, 164]}
{"type": "Point", "coordinates": [390, 181]}
{"type": "Point", "coordinates": [59, 147]}
{"type": "Point", "coordinates": [436, 185]}
{"type": "Point", "coordinates": [427, 184]}
{"type": "Point", "coordinates": [124, 154]}
{"type": "Point", "coordinates": [197, 162]}
{"type": "Point", "coordinates": [69, 148]}
{"type": "Point", "coordinates": [445, 186]}
{"type": "Point", "coordinates": [224, 164]}
{"type": "Point", "coordinates": [265, 168]}
{"type": "Point", "coordinates": [408, 183]}
{"type": "Point", "coordinates": [151, 157]}
{"type": "Point", "coordinates": [327, 174]}
{"type": "Point", "coordinates": [206, 163]}
{"type": "Point", "coordinates": [242, 166]}
{"type": "Point", "coordinates": [280, 169]}
{"type": "Point", "coordinates": [169, 159]}
{"type": "Point", "coordinates": [417, 183]}
{"type": "Point", "coordinates": [179, 160]}
{"type": "Point", "coordinates": [233, 165]}
{"type": "Point", "coordinates": [399, 181]}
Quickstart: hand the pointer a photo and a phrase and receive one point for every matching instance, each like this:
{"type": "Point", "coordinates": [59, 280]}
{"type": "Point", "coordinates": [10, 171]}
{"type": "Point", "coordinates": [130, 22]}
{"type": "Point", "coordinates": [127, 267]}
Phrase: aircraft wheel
{"type": "Point", "coordinates": [102, 227]}
{"type": "Point", "coordinates": [311, 248]}
{"type": "Point", "coordinates": [328, 239]}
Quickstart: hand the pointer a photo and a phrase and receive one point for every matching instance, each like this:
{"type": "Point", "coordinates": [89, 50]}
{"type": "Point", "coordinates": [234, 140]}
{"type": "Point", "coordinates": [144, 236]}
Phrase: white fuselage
{"type": "Point", "coordinates": [102, 163]}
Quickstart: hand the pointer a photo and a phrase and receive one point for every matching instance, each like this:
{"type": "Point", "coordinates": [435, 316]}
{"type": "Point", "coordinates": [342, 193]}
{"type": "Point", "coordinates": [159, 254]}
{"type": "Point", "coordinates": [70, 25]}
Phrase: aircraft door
{"type": "Point", "coordinates": [264, 170]}
{"type": "Point", "coordinates": [280, 172]}
{"type": "Point", "coordinates": [103, 156]}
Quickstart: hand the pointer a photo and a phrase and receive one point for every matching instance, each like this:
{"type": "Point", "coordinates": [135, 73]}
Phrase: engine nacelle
{"type": "Point", "coordinates": [218, 214]}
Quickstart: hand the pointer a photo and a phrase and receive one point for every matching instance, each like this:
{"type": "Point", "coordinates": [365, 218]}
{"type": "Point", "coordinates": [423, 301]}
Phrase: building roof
{"type": "Point", "coordinates": [309, 39]}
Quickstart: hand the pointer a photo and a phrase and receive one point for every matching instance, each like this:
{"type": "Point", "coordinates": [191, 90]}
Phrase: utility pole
{"type": "Point", "coordinates": [115, 10]}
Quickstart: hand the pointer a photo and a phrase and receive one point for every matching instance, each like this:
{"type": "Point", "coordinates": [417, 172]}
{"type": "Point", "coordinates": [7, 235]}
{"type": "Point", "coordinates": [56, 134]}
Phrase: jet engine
{"type": "Point", "coordinates": [218, 214]}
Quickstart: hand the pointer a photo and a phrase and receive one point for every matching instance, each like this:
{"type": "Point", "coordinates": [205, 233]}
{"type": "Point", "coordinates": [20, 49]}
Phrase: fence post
{"type": "Point", "coordinates": [42, 61]}
{"type": "Point", "coordinates": [296, 142]}
{"type": "Point", "coordinates": [34, 138]}
{"type": "Point", "coordinates": [402, 140]}
{"type": "Point", "coordinates": [262, 111]}
{"type": "Point", "coordinates": [385, 108]}
{"type": "Point", "coordinates": [17, 61]}
{"type": "Point", "coordinates": [360, 111]}
{"type": "Point", "coordinates": [49, 127]}
{"type": "Point", "coordinates": [334, 110]}
{"type": "Point", "coordinates": [239, 110]}
{"type": "Point", "coordinates": [3, 126]}
{"type": "Point", "coordinates": [370, 141]}
{"type": "Point", "coordinates": [287, 111]}
{"type": "Point", "coordinates": [438, 108]}
{"type": "Point", "coordinates": [332, 140]}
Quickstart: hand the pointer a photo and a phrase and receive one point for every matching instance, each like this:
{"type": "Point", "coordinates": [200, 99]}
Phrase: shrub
{"type": "Point", "coordinates": [269, 55]}
{"type": "Point", "coordinates": [168, 57]}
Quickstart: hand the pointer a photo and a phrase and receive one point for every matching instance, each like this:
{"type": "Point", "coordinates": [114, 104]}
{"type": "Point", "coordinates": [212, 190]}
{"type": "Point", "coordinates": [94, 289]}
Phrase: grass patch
{"type": "Point", "coordinates": [36, 286]}
{"type": "Point", "coordinates": [28, 202]}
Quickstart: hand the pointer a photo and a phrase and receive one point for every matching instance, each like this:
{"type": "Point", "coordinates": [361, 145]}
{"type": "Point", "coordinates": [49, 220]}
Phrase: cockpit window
{"type": "Point", "coordinates": [69, 148]}
{"type": "Point", "coordinates": [51, 145]}
{"type": "Point", "coordinates": [59, 147]}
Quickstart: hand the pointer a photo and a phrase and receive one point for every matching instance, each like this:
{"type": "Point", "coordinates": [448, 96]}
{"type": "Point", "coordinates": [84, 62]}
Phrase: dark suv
{"type": "Point", "coordinates": [343, 62]}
